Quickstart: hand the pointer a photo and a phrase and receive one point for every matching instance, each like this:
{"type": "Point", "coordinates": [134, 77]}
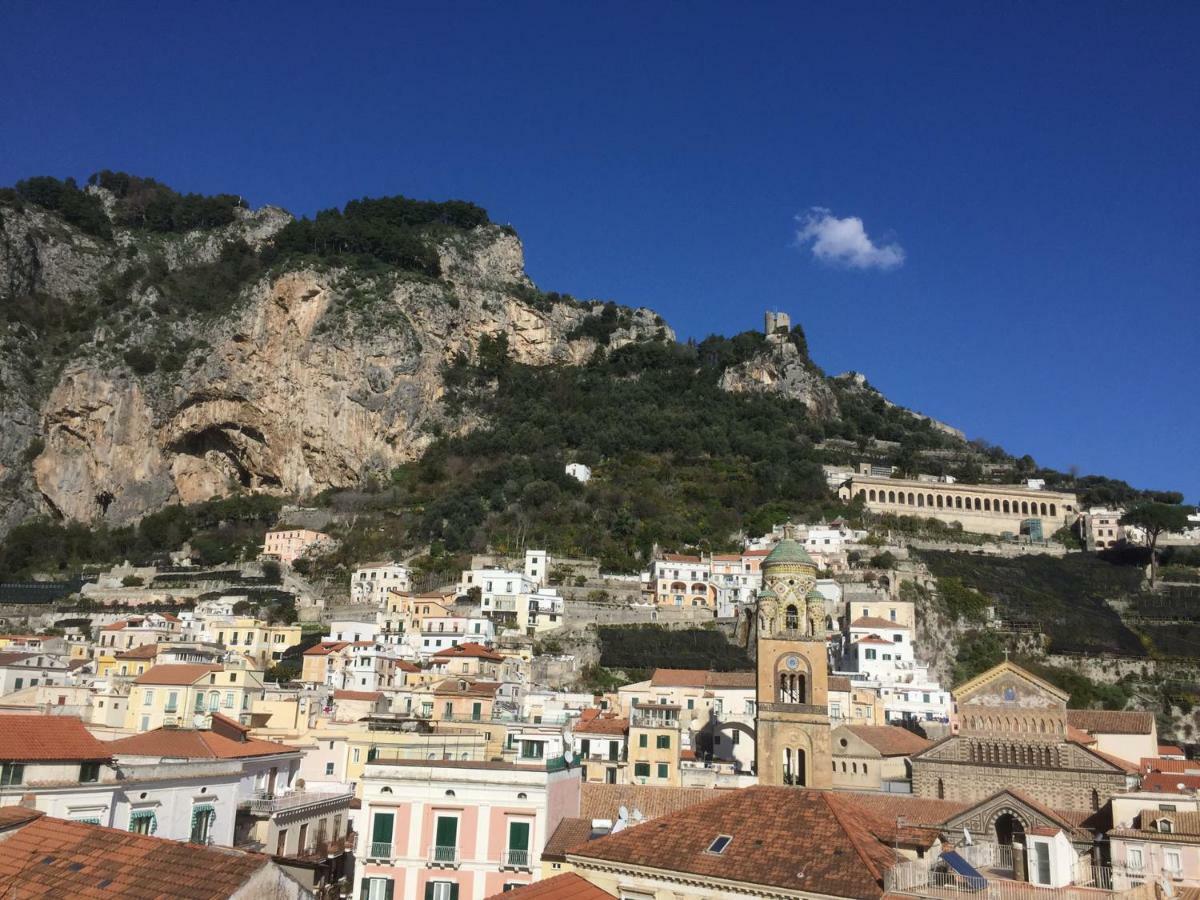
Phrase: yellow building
{"type": "Point", "coordinates": [126, 663]}
{"type": "Point", "coordinates": [655, 745]}
{"type": "Point", "coordinates": [176, 693]}
{"type": "Point", "coordinates": [254, 638]}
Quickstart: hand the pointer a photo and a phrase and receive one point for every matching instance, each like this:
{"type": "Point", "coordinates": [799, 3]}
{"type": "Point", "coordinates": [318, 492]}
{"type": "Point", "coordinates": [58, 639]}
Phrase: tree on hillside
{"type": "Point", "coordinates": [1155, 519]}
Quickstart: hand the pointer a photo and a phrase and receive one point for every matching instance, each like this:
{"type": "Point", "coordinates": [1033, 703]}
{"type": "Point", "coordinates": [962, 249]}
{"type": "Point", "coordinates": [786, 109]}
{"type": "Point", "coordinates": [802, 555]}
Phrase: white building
{"type": "Point", "coordinates": [880, 653]}
{"type": "Point", "coordinates": [439, 632]}
{"type": "Point", "coordinates": [349, 630]}
{"type": "Point", "coordinates": [370, 583]}
{"type": "Point", "coordinates": [21, 670]}
{"type": "Point", "coordinates": [579, 472]}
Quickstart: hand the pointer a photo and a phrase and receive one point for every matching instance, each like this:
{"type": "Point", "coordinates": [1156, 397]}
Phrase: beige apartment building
{"type": "Point", "coordinates": [175, 694]}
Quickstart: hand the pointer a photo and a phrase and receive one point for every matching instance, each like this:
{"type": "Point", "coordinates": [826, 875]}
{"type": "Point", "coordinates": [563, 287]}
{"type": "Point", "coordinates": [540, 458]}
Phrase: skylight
{"type": "Point", "coordinates": [719, 845]}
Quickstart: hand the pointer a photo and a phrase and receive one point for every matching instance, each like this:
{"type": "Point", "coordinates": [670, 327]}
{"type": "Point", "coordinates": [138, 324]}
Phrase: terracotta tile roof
{"type": "Point", "coordinates": [604, 801]}
{"type": "Point", "coordinates": [1123, 764]}
{"type": "Point", "coordinates": [608, 725]}
{"type": "Point", "coordinates": [755, 552]}
{"type": "Point", "coordinates": [7, 659]}
{"type": "Point", "coordinates": [1169, 750]}
{"type": "Point", "coordinates": [701, 678]}
{"type": "Point", "coordinates": [52, 858]}
{"type": "Point", "coordinates": [567, 886]}
{"type": "Point", "coordinates": [405, 666]}
{"type": "Point", "coordinates": [889, 740]}
{"type": "Point", "coordinates": [1169, 782]}
{"type": "Point", "coordinates": [1110, 721]}
{"type": "Point", "coordinates": [190, 743]}
{"type": "Point", "coordinates": [119, 626]}
{"type": "Point", "coordinates": [1079, 737]}
{"type": "Point", "coordinates": [325, 647]}
{"type": "Point", "coordinates": [681, 557]}
{"type": "Point", "coordinates": [141, 651]}
{"type": "Point", "coordinates": [176, 673]}
{"type": "Point", "coordinates": [872, 639]}
{"type": "Point", "coordinates": [839, 683]}
{"type": "Point", "coordinates": [921, 811]}
{"type": "Point", "coordinates": [876, 622]}
{"type": "Point", "coordinates": [1158, 764]}
{"type": "Point", "coordinates": [470, 649]}
{"type": "Point", "coordinates": [569, 833]}
{"type": "Point", "coordinates": [782, 838]}
{"type": "Point", "coordinates": [49, 738]}
{"type": "Point", "coordinates": [358, 695]}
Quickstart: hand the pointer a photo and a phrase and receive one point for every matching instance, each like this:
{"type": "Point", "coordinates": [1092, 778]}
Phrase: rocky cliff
{"type": "Point", "coordinates": [307, 376]}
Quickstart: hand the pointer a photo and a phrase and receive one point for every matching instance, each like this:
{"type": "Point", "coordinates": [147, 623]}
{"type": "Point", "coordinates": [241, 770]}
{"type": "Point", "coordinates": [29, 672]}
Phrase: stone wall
{"type": "Point", "coordinates": [1055, 788]}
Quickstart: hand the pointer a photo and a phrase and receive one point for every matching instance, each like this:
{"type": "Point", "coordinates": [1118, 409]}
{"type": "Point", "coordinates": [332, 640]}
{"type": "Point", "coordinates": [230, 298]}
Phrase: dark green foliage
{"type": "Point", "coordinates": [271, 572]}
{"type": "Point", "coordinates": [140, 360]}
{"type": "Point", "coordinates": [1063, 597]}
{"type": "Point", "coordinates": [645, 647]}
{"type": "Point", "coordinates": [391, 230]}
{"type": "Point", "coordinates": [288, 670]}
{"type": "Point", "coordinates": [600, 328]}
{"type": "Point", "coordinates": [884, 560]}
{"type": "Point", "coordinates": [206, 289]}
{"type": "Point", "coordinates": [219, 530]}
{"type": "Point", "coordinates": [79, 208]}
{"type": "Point", "coordinates": [145, 203]}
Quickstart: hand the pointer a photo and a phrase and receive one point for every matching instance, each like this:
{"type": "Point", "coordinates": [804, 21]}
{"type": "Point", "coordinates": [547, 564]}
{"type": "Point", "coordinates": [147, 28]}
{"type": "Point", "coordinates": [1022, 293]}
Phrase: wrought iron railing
{"type": "Point", "coordinates": [441, 855]}
{"type": "Point", "coordinates": [515, 859]}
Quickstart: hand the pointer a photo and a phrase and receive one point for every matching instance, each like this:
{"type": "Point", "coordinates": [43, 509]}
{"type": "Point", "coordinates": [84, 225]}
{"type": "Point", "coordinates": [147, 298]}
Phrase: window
{"type": "Point", "coordinates": [719, 844]}
{"type": "Point", "coordinates": [203, 818]}
{"type": "Point", "coordinates": [518, 844]}
{"type": "Point", "coordinates": [733, 737]}
{"type": "Point", "coordinates": [12, 773]}
{"type": "Point", "coordinates": [328, 768]}
{"type": "Point", "coordinates": [1165, 826]}
{"type": "Point", "coordinates": [142, 821]}
{"type": "Point", "coordinates": [229, 699]}
{"type": "Point", "coordinates": [643, 740]}
{"type": "Point", "coordinates": [145, 723]}
{"type": "Point", "coordinates": [662, 742]}
{"type": "Point", "coordinates": [148, 697]}
{"type": "Point", "coordinates": [869, 654]}
{"type": "Point", "coordinates": [1172, 862]}
{"type": "Point", "coordinates": [355, 754]}
{"type": "Point", "coordinates": [381, 835]}
{"type": "Point", "coordinates": [445, 842]}
{"type": "Point", "coordinates": [89, 772]}
{"type": "Point", "coordinates": [438, 890]}
{"type": "Point", "coordinates": [377, 889]}
{"type": "Point", "coordinates": [641, 770]}
{"type": "Point", "coordinates": [200, 702]}
{"type": "Point", "coordinates": [897, 638]}
{"type": "Point", "coordinates": [664, 770]}
{"type": "Point", "coordinates": [1133, 858]}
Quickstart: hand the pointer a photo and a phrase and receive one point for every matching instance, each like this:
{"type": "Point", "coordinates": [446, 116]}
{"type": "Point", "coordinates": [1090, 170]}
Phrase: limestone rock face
{"type": "Point", "coordinates": [782, 369]}
{"type": "Point", "coordinates": [315, 379]}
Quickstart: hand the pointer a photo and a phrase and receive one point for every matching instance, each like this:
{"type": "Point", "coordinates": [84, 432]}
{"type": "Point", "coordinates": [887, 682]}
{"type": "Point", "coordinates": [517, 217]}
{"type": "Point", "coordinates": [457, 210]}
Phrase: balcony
{"type": "Point", "coordinates": [380, 850]}
{"type": "Point", "coordinates": [444, 856]}
{"type": "Point", "coordinates": [266, 805]}
{"type": "Point", "coordinates": [518, 860]}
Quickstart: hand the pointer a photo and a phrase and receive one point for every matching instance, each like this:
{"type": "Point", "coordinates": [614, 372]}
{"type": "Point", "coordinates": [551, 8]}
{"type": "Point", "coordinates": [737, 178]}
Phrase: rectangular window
{"type": "Point", "coordinates": [1133, 858]}
{"type": "Point", "coordinates": [378, 889]}
{"type": "Point", "coordinates": [1172, 862]}
{"type": "Point", "coordinates": [328, 768]}
{"type": "Point", "coordinates": [476, 712]}
{"type": "Point", "coordinates": [21, 682]}
{"type": "Point", "coordinates": [12, 773]}
{"type": "Point", "coordinates": [89, 772]}
{"type": "Point", "coordinates": [145, 723]}
{"type": "Point", "coordinates": [148, 698]}
{"type": "Point", "coordinates": [229, 699]}
{"type": "Point", "coordinates": [172, 702]}
{"type": "Point", "coordinates": [870, 654]}
{"type": "Point", "coordinates": [439, 890]}
{"type": "Point", "coordinates": [664, 770]}
{"type": "Point", "coordinates": [641, 770]}
{"type": "Point", "coordinates": [662, 742]}
{"type": "Point", "coordinates": [1042, 860]}
{"type": "Point", "coordinates": [381, 835]}
{"type": "Point", "coordinates": [518, 844]}
{"type": "Point", "coordinates": [355, 754]}
{"type": "Point", "coordinates": [445, 843]}
{"type": "Point", "coordinates": [643, 740]}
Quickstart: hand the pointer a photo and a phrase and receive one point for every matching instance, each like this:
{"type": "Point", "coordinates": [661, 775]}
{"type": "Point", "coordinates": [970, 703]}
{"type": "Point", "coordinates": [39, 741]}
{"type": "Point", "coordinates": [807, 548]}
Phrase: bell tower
{"type": "Point", "coordinates": [793, 736]}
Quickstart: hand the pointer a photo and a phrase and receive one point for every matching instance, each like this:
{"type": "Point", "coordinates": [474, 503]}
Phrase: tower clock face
{"type": "Point", "coordinates": [793, 663]}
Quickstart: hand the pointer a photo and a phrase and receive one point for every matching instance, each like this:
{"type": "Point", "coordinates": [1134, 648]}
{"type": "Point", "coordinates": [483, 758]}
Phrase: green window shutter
{"type": "Point", "coordinates": [365, 893]}
{"type": "Point", "coordinates": [476, 711]}
{"type": "Point", "coordinates": [429, 890]}
{"type": "Point", "coordinates": [518, 835]}
{"type": "Point", "coordinates": [663, 770]}
{"type": "Point", "coordinates": [447, 831]}
{"type": "Point", "coordinates": [389, 889]}
{"type": "Point", "coordinates": [381, 828]}
{"type": "Point", "coordinates": [454, 891]}
{"type": "Point", "coordinates": [642, 740]}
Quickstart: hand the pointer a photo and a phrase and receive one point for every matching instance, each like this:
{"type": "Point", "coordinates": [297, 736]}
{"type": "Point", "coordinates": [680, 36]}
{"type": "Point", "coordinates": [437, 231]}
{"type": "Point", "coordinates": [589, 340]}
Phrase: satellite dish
{"type": "Point", "coordinates": [569, 757]}
{"type": "Point", "coordinates": [197, 721]}
{"type": "Point", "coordinates": [622, 813]}
{"type": "Point", "coordinates": [619, 826]}
{"type": "Point", "coordinates": [637, 815]}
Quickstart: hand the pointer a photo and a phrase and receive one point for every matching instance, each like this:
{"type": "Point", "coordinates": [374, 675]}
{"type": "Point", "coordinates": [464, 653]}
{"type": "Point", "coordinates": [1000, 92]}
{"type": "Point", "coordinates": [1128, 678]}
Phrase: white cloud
{"type": "Point", "coordinates": [844, 241]}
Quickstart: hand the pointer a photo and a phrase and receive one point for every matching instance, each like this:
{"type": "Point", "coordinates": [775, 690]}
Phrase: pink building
{"type": "Point", "coordinates": [1155, 838]}
{"type": "Point", "coordinates": [457, 829]}
{"type": "Point", "coordinates": [288, 546]}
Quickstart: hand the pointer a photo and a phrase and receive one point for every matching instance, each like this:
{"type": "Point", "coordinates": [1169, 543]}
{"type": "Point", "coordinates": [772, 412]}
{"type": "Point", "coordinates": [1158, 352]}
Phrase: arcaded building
{"type": "Point", "coordinates": [983, 508]}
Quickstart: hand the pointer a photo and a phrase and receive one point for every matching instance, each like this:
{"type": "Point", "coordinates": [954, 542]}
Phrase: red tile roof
{"type": "Point", "coordinates": [191, 743]}
{"type": "Point", "coordinates": [325, 647]}
{"type": "Point", "coordinates": [875, 622]}
{"type": "Point", "coordinates": [49, 738]}
{"type": "Point", "coordinates": [681, 557]}
{"type": "Point", "coordinates": [702, 678]}
{"type": "Point", "coordinates": [1111, 721]}
{"type": "Point", "coordinates": [569, 833]}
{"type": "Point", "coordinates": [781, 838]}
{"type": "Point", "coordinates": [1170, 781]}
{"type": "Point", "coordinates": [604, 801]}
{"type": "Point", "coordinates": [567, 886]}
{"type": "Point", "coordinates": [405, 666]}
{"type": "Point", "coordinates": [176, 673]}
{"type": "Point", "coordinates": [42, 857]}
{"type": "Point", "coordinates": [141, 651]}
{"type": "Point", "coordinates": [606, 724]}
{"type": "Point", "coordinates": [839, 683]}
{"type": "Point", "coordinates": [872, 639]}
{"type": "Point", "coordinates": [468, 688]}
{"type": "Point", "coordinates": [358, 695]}
{"type": "Point", "coordinates": [470, 649]}
{"type": "Point", "coordinates": [890, 740]}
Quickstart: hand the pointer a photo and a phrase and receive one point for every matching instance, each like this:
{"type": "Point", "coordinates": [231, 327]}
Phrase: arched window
{"type": "Point", "coordinates": [912, 501]}
{"type": "Point", "coordinates": [891, 496]}
{"type": "Point", "coordinates": [978, 505]}
{"type": "Point", "coordinates": [871, 496]}
{"type": "Point", "coordinates": [941, 789]}
{"type": "Point", "coordinates": [1095, 800]}
{"type": "Point", "coordinates": [1024, 508]}
{"type": "Point", "coordinates": [1006, 506]}
{"type": "Point", "coordinates": [958, 502]}
{"type": "Point", "coordinates": [1053, 510]}
{"type": "Point", "coordinates": [939, 501]}
{"type": "Point", "coordinates": [987, 505]}
{"type": "Point", "coordinates": [791, 619]}
{"type": "Point", "coordinates": [920, 499]}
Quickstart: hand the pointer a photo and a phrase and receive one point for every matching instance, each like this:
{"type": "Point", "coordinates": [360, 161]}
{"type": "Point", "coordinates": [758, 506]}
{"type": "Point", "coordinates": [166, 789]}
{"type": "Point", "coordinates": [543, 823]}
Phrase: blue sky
{"type": "Point", "coordinates": [1035, 165]}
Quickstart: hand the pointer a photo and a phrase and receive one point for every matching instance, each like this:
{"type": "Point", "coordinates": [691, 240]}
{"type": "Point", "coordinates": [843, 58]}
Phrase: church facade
{"type": "Point", "coordinates": [793, 732]}
{"type": "Point", "coordinates": [1012, 730]}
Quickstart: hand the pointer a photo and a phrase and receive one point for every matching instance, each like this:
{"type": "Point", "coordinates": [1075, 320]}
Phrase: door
{"type": "Point", "coordinates": [518, 844]}
{"type": "Point", "coordinates": [381, 835]}
{"type": "Point", "coordinates": [446, 839]}
{"type": "Point", "coordinates": [476, 712]}
{"type": "Point", "coordinates": [1041, 853]}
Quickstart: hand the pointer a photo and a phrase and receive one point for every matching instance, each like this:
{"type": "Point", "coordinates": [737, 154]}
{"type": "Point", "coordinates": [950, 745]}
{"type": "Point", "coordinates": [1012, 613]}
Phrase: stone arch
{"type": "Point", "coordinates": [920, 500]}
{"type": "Point", "coordinates": [791, 617]}
{"type": "Point", "coordinates": [1053, 510]}
{"type": "Point", "coordinates": [939, 501]}
{"type": "Point", "coordinates": [911, 500]}
{"type": "Point", "coordinates": [1006, 506]}
{"type": "Point", "coordinates": [1043, 509]}
{"type": "Point", "coordinates": [871, 496]}
{"type": "Point", "coordinates": [1008, 824]}
{"type": "Point", "coordinates": [891, 496]}
{"type": "Point", "coordinates": [987, 505]}
{"type": "Point", "coordinates": [978, 504]}
{"type": "Point", "coordinates": [1024, 508]}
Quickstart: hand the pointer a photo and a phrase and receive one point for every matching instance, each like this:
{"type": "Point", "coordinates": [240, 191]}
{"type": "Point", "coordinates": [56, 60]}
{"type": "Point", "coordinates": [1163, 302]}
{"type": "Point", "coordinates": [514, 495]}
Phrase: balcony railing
{"type": "Point", "coordinates": [380, 850]}
{"type": "Point", "coordinates": [443, 856]}
{"type": "Point", "coordinates": [515, 859]}
{"type": "Point", "coordinates": [264, 804]}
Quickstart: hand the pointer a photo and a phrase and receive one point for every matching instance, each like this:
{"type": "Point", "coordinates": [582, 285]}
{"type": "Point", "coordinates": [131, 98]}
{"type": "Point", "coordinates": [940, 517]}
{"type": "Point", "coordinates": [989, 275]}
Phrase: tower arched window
{"type": "Point", "coordinates": [791, 618]}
